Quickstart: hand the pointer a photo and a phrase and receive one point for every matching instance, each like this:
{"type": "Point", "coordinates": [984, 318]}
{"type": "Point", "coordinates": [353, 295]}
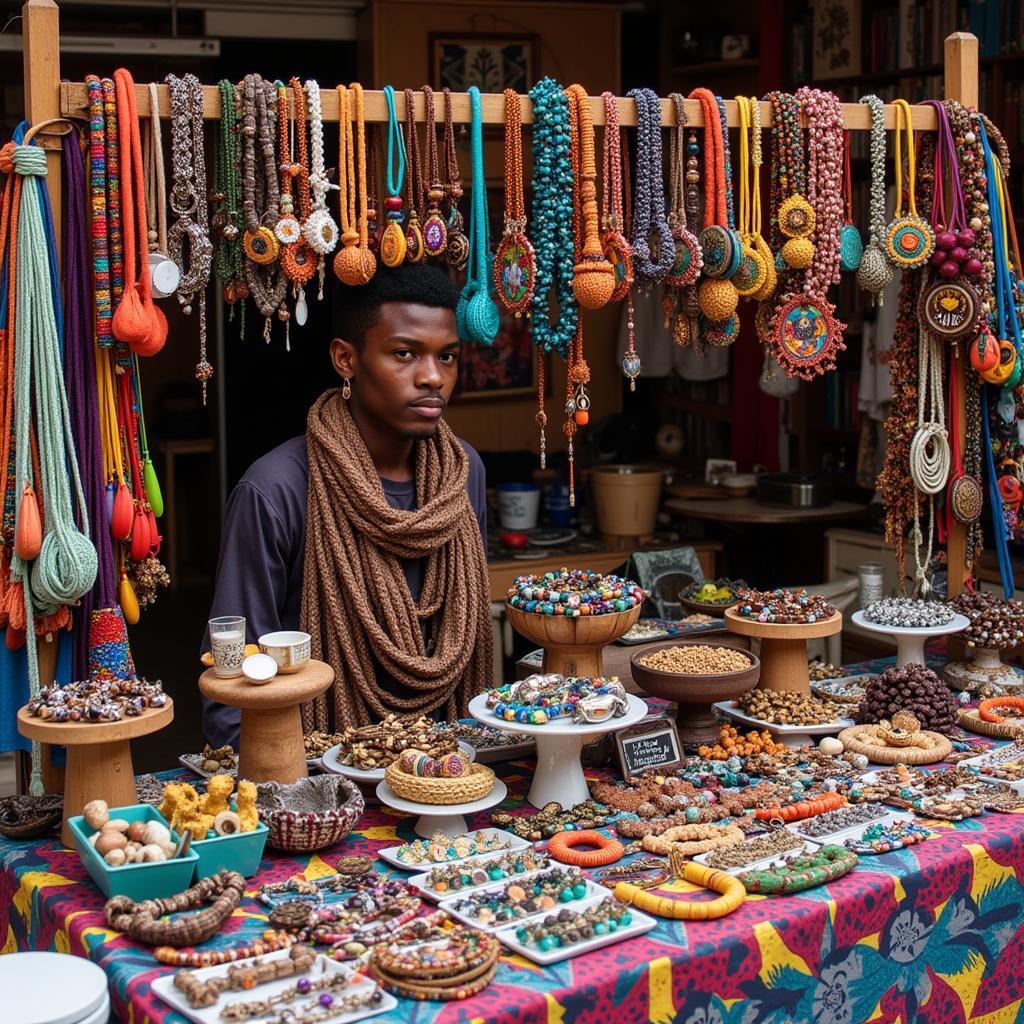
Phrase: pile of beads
{"type": "Point", "coordinates": [739, 856]}
{"type": "Point", "coordinates": [783, 606]}
{"type": "Point", "coordinates": [995, 624]}
{"type": "Point", "coordinates": [97, 700]}
{"type": "Point", "coordinates": [690, 840]}
{"type": "Point", "coordinates": [440, 848]}
{"type": "Point", "coordinates": [568, 927]}
{"type": "Point", "coordinates": [475, 873]}
{"type": "Point", "coordinates": [788, 708]}
{"type": "Point", "coordinates": [732, 743]}
{"type": "Point", "coordinates": [551, 818]}
{"type": "Point", "coordinates": [843, 818]}
{"type": "Point", "coordinates": [481, 737]}
{"type": "Point", "coordinates": [524, 898]}
{"type": "Point", "coordinates": [574, 593]}
{"type": "Point", "coordinates": [538, 699]}
{"type": "Point", "coordinates": [801, 872]}
{"type": "Point", "coordinates": [884, 838]}
{"type": "Point", "coordinates": [370, 747]}
{"type": "Point", "coordinates": [912, 688]}
{"type": "Point", "coordinates": [906, 613]}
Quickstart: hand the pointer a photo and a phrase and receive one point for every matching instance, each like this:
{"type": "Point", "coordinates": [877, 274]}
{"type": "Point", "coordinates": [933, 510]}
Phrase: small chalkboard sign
{"type": "Point", "coordinates": [651, 744]}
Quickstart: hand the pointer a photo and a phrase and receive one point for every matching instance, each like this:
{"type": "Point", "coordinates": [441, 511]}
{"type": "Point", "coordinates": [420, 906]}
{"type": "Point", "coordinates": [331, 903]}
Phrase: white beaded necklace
{"type": "Point", "coordinates": [320, 230]}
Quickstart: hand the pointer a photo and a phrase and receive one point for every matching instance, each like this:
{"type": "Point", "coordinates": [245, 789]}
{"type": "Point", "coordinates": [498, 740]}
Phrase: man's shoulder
{"type": "Point", "coordinates": [476, 465]}
{"type": "Point", "coordinates": [282, 473]}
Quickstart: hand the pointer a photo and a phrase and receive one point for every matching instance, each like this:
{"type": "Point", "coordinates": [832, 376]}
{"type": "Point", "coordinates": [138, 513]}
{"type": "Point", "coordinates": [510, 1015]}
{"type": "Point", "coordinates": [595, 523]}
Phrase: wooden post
{"type": "Point", "coordinates": [961, 84]}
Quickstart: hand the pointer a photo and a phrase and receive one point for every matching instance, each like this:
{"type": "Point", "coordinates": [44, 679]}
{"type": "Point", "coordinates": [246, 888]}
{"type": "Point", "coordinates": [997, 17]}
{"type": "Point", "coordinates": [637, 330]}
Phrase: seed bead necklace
{"type": "Point", "coordinates": [458, 243]}
{"type": "Point", "coordinates": [229, 257]}
{"type": "Point", "coordinates": [435, 231]}
{"type": "Point", "coordinates": [414, 251]}
{"type": "Point", "coordinates": [98, 200]}
{"type": "Point", "coordinates": [514, 267]}
{"type": "Point", "coordinates": [653, 247]}
{"type": "Point", "coordinates": [393, 243]}
{"type": "Point", "coordinates": [875, 272]}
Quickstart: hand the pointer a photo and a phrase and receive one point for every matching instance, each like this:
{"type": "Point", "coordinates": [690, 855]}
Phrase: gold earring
{"type": "Point", "coordinates": [346, 390]}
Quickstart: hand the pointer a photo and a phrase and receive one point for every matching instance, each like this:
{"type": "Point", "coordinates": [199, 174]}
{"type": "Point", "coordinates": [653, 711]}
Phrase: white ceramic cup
{"type": "Point", "coordinates": [227, 643]}
{"type": "Point", "coordinates": [290, 648]}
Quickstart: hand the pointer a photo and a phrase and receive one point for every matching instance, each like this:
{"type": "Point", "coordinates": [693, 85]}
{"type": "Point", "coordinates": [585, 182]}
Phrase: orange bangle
{"type": "Point", "coordinates": [560, 846]}
{"type": "Point", "coordinates": [998, 702]}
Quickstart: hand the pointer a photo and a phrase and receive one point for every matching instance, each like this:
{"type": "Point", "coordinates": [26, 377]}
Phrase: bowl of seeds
{"type": "Point", "coordinates": [695, 675]}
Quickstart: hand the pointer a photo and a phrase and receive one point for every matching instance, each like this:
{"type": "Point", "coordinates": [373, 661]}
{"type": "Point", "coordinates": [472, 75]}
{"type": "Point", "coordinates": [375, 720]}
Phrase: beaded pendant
{"type": "Point", "coordinates": [851, 248]}
{"type": "Point", "coordinates": [435, 232]}
{"type": "Point", "coordinates": [720, 333]}
{"type": "Point", "coordinates": [288, 230]}
{"type": "Point", "coordinates": [261, 245]}
{"type": "Point", "coordinates": [618, 253]}
{"type": "Point", "coordinates": [458, 243]}
{"type": "Point", "coordinates": [796, 217]}
{"type": "Point", "coordinates": [414, 247]}
{"type": "Point", "coordinates": [965, 498]}
{"type": "Point", "coordinates": [875, 271]}
{"type": "Point", "coordinates": [806, 337]}
{"type": "Point", "coordinates": [716, 245]}
{"type": "Point", "coordinates": [750, 276]}
{"type": "Point", "coordinates": [689, 258]}
{"type": "Point", "coordinates": [949, 310]}
{"type": "Point", "coordinates": [298, 261]}
{"type": "Point", "coordinates": [514, 271]}
{"type": "Point", "coordinates": [909, 242]}
{"type": "Point", "coordinates": [985, 352]}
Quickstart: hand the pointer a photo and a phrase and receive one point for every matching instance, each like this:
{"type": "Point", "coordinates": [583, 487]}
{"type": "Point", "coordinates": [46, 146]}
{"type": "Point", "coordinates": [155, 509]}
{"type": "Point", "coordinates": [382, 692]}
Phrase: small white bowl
{"type": "Point", "coordinates": [290, 648]}
{"type": "Point", "coordinates": [259, 669]}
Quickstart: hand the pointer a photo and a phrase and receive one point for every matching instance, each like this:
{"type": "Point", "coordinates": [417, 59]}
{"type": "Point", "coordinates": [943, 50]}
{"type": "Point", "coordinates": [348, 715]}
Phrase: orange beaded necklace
{"type": "Point", "coordinates": [354, 263]}
{"type": "Point", "coordinates": [297, 259]}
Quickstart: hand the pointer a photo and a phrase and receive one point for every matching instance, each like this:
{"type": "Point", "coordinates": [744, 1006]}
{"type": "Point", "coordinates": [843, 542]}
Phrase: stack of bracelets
{"type": "Point", "coordinates": [426, 961]}
{"type": "Point", "coordinates": [573, 593]}
{"type": "Point", "coordinates": [97, 700]}
{"type": "Point", "coordinates": [783, 606]}
{"type": "Point", "coordinates": [524, 898]}
{"type": "Point", "coordinates": [804, 871]}
{"type": "Point", "coordinates": [568, 927]}
{"type": "Point", "coordinates": [475, 873]}
{"type": "Point", "coordinates": [538, 699]}
{"type": "Point", "coordinates": [885, 837]}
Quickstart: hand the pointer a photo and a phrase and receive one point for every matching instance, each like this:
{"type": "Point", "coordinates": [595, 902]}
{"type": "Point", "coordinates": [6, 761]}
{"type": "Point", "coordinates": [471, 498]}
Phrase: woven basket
{"type": "Point", "coordinates": [463, 790]}
{"type": "Point", "coordinates": [939, 751]}
{"type": "Point", "coordinates": [309, 814]}
{"type": "Point", "coordinates": [999, 730]}
{"type": "Point", "coordinates": [27, 817]}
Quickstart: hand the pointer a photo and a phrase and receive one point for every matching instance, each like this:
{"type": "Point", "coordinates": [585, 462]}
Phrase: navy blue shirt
{"type": "Point", "coordinates": [262, 553]}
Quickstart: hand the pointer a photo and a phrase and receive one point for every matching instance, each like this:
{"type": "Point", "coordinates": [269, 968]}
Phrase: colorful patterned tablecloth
{"type": "Point", "coordinates": [929, 935]}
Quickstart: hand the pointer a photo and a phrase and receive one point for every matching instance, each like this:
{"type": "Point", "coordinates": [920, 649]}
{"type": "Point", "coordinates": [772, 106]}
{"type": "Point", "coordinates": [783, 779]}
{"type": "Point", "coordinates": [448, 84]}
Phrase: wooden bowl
{"type": "Point", "coordinates": [694, 694]}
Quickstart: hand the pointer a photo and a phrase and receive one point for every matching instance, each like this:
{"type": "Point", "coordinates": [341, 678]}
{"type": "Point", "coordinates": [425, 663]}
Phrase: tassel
{"type": "Point", "coordinates": [121, 519]}
{"type": "Point", "coordinates": [153, 493]}
{"type": "Point", "coordinates": [128, 601]}
{"type": "Point", "coordinates": [28, 535]}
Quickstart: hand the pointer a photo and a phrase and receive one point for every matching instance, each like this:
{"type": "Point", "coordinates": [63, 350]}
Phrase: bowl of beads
{"type": "Point", "coordinates": [695, 675]}
{"type": "Point", "coordinates": [713, 594]}
{"type": "Point", "coordinates": [449, 779]}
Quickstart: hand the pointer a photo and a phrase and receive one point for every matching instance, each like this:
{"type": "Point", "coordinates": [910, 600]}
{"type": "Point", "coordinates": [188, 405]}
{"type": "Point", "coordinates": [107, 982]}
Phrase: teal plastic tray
{"type": "Point", "coordinates": [138, 881]}
{"type": "Point", "coordinates": [240, 852]}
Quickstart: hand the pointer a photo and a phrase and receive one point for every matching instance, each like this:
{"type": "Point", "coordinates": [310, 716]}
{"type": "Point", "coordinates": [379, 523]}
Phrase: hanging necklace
{"type": "Point", "coordinates": [372, 206]}
{"type": "Point", "coordinates": [113, 164]}
{"type": "Point", "coordinates": [908, 239]}
{"type": "Point", "coordinates": [770, 281]}
{"type": "Point", "coordinates": [875, 271]}
{"type": "Point", "coordinates": [750, 275]}
{"type": "Point", "coordinates": [851, 245]}
{"type": "Point", "coordinates": [393, 242]}
{"type": "Point", "coordinates": [319, 228]}
{"type": "Point", "coordinates": [354, 263]}
{"type": "Point", "coordinates": [458, 243]}
{"type": "Point", "coordinates": [98, 200]}
{"type": "Point", "coordinates": [188, 203]}
{"type": "Point", "coordinates": [593, 279]}
{"type": "Point", "coordinates": [651, 240]}
{"type": "Point", "coordinates": [805, 336]}
{"type": "Point", "coordinates": [552, 218]}
{"type": "Point", "coordinates": [792, 215]}
{"type": "Point", "coordinates": [689, 260]}
{"type": "Point", "coordinates": [414, 251]}
{"type": "Point", "coordinates": [267, 284]}
{"type": "Point", "coordinates": [613, 241]}
{"type": "Point", "coordinates": [164, 271]}
{"type": "Point", "coordinates": [476, 316]}
{"type": "Point", "coordinates": [227, 195]}
{"type": "Point", "coordinates": [514, 264]}
{"type": "Point", "coordinates": [435, 232]}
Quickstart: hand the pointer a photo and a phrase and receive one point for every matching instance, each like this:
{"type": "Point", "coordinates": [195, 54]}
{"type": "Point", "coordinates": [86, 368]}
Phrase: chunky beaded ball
{"type": "Point", "coordinates": [796, 217]}
{"type": "Point", "coordinates": [718, 298]}
{"type": "Point", "coordinates": [798, 253]}
{"type": "Point", "coordinates": [354, 266]}
{"type": "Point", "coordinates": [593, 282]}
{"type": "Point", "coordinates": [875, 272]}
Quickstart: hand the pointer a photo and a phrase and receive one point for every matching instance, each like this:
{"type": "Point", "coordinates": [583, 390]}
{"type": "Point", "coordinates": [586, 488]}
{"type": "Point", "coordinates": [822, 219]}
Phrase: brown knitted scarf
{"type": "Point", "coordinates": [356, 602]}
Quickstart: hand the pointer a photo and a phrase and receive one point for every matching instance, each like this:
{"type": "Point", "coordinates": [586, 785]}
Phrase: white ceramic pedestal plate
{"type": "Point", "coordinates": [910, 641]}
{"type": "Point", "coordinates": [559, 775]}
{"type": "Point", "coordinates": [447, 818]}
{"type": "Point", "coordinates": [984, 667]}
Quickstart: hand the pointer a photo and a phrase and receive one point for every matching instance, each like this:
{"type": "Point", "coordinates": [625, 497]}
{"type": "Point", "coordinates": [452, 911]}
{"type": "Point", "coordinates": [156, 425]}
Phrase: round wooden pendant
{"type": "Point", "coordinates": [717, 249]}
{"type": "Point", "coordinates": [949, 310]}
{"type": "Point", "coordinates": [909, 241]}
{"type": "Point", "coordinates": [261, 245]}
{"type": "Point", "coordinates": [435, 236]}
{"type": "Point", "coordinates": [965, 498]}
{"type": "Point", "coordinates": [392, 244]}
{"type": "Point", "coordinates": [806, 336]}
{"type": "Point", "coordinates": [619, 253]}
{"type": "Point", "coordinates": [514, 270]}
{"type": "Point", "coordinates": [689, 259]}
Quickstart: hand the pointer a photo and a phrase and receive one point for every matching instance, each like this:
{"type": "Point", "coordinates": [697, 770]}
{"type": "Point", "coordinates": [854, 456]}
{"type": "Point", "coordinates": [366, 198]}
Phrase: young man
{"type": "Point", "coordinates": [369, 531]}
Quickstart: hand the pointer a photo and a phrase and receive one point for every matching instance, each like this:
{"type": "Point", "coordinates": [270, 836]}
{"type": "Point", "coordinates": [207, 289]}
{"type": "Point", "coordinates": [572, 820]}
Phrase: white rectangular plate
{"type": "Point", "coordinates": [514, 843]}
{"type": "Point", "coordinates": [164, 988]}
{"type": "Point", "coordinates": [420, 880]}
{"type": "Point", "coordinates": [809, 847]}
{"type": "Point", "coordinates": [593, 889]}
{"type": "Point", "coordinates": [725, 706]}
{"type": "Point", "coordinates": [641, 923]}
{"type": "Point", "coordinates": [193, 762]}
{"type": "Point", "coordinates": [992, 757]}
{"type": "Point", "coordinates": [854, 831]}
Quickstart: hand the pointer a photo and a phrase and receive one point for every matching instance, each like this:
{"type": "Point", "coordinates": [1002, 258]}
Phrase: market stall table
{"type": "Point", "coordinates": [932, 933]}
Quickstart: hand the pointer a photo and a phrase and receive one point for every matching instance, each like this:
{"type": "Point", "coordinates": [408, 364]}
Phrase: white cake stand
{"type": "Point", "coordinates": [910, 641]}
{"type": "Point", "coordinates": [984, 668]}
{"type": "Point", "coordinates": [790, 735]}
{"type": "Point", "coordinates": [559, 776]}
{"type": "Point", "coordinates": [447, 818]}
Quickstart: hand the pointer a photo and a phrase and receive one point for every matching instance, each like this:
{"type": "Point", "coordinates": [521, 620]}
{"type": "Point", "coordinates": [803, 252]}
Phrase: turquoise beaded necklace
{"type": "Point", "coordinates": [552, 217]}
{"type": "Point", "coordinates": [476, 315]}
{"type": "Point", "coordinates": [392, 243]}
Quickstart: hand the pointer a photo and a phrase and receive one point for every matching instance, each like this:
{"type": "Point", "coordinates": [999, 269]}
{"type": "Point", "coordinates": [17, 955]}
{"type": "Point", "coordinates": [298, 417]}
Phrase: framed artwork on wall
{"type": "Point", "coordinates": [506, 369]}
{"type": "Point", "coordinates": [492, 62]}
{"type": "Point", "coordinates": [836, 49]}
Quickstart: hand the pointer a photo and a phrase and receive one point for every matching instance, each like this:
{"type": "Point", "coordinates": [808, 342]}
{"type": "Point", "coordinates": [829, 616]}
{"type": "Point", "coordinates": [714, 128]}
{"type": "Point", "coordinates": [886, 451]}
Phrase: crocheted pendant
{"type": "Point", "coordinates": [875, 271]}
{"type": "Point", "coordinates": [798, 253]}
{"type": "Point", "coordinates": [619, 254]}
{"type": "Point", "coordinates": [771, 276]}
{"type": "Point", "coordinates": [718, 298]}
{"type": "Point", "coordinates": [909, 241]}
{"type": "Point", "coordinates": [393, 244]}
{"type": "Point", "coordinates": [414, 248]}
{"type": "Point", "coordinates": [985, 352]}
{"type": "Point", "coordinates": [288, 230]}
{"type": "Point", "coordinates": [261, 245]}
{"type": "Point", "coordinates": [949, 310]}
{"type": "Point", "coordinates": [749, 278]}
{"type": "Point", "coordinates": [796, 217]}
{"type": "Point", "coordinates": [720, 333]}
{"type": "Point", "coordinates": [716, 245]}
{"type": "Point", "coordinates": [458, 243]}
{"type": "Point", "coordinates": [851, 248]}
{"type": "Point", "coordinates": [435, 235]}
{"type": "Point", "coordinates": [806, 337]}
{"type": "Point", "coordinates": [299, 262]}
{"type": "Point", "coordinates": [320, 232]}
{"type": "Point", "coordinates": [965, 498]}
{"type": "Point", "coordinates": [689, 259]}
{"type": "Point", "coordinates": [514, 271]}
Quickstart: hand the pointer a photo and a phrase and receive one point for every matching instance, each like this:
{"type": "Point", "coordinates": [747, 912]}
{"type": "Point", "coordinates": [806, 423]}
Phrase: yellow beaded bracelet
{"type": "Point", "coordinates": [732, 890]}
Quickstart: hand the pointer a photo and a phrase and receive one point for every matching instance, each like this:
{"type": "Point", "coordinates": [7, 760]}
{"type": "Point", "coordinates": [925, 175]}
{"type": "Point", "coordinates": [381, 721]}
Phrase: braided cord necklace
{"type": "Point", "coordinates": [909, 240]}
{"type": "Point", "coordinates": [653, 248]}
{"type": "Point", "coordinates": [298, 261]}
{"type": "Point", "coordinates": [435, 231]}
{"type": "Point", "coordinates": [113, 157]}
{"type": "Point", "coordinates": [393, 242]}
{"type": "Point", "coordinates": [103, 308]}
{"type": "Point", "coordinates": [875, 271]}
{"type": "Point", "coordinates": [319, 229]}
{"type": "Point", "coordinates": [552, 217]}
{"type": "Point", "coordinates": [749, 279]}
{"type": "Point", "coordinates": [414, 251]}
{"type": "Point", "coordinates": [226, 223]}
{"type": "Point", "coordinates": [757, 239]}
{"type": "Point", "coordinates": [458, 243]}
{"type": "Point", "coordinates": [354, 263]}
{"type": "Point", "coordinates": [514, 267]}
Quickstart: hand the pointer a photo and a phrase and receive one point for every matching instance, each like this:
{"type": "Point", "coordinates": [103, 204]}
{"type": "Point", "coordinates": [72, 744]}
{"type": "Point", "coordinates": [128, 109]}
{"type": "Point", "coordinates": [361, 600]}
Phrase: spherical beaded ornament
{"type": "Point", "coordinates": [718, 298]}
{"type": "Point", "coordinates": [796, 217]}
{"type": "Point", "coordinates": [798, 253]}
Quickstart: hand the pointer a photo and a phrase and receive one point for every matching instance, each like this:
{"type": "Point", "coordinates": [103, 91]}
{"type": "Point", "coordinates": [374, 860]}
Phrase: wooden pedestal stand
{"type": "Point", "coordinates": [270, 746]}
{"type": "Point", "coordinates": [783, 648]}
{"type": "Point", "coordinates": [99, 757]}
{"type": "Point", "coordinates": [572, 646]}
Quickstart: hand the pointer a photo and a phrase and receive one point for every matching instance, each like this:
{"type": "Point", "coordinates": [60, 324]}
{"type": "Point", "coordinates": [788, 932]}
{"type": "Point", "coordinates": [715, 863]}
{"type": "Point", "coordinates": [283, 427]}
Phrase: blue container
{"type": "Point", "coordinates": [240, 852]}
{"type": "Point", "coordinates": [148, 881]}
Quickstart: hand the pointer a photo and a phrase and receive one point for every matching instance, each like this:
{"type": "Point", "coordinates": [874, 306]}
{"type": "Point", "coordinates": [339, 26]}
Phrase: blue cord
{"type": "Point", "coordinates": [394, 139]}
{"type": "Point", "coordinates": [996, 501]}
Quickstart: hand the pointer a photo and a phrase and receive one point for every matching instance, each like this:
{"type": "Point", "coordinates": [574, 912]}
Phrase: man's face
{"type": "Point", "coordinates": [404, 372]}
